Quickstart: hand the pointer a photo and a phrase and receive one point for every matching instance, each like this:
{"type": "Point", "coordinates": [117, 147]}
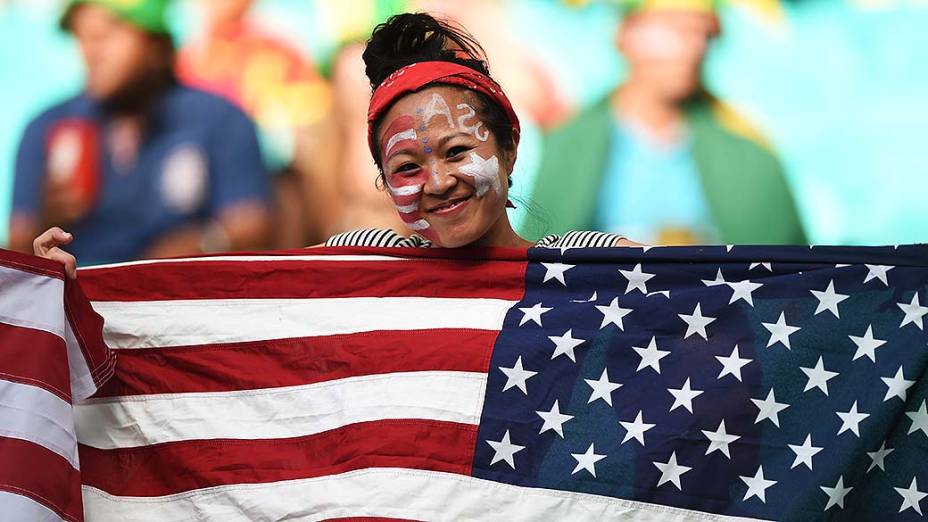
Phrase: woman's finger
{"type": "Point", "coordinates": [50, 239]}
{"type": "Point", "coordinates": [68, 260]}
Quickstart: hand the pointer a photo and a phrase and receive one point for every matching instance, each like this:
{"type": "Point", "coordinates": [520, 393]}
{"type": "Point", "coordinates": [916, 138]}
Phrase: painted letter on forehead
{"type": "Point", "coordinates": [485, 173]}
{"type": "Point", "coordinates": [471, 129]}
{"type": "Point", "coordinates": [436, 107]}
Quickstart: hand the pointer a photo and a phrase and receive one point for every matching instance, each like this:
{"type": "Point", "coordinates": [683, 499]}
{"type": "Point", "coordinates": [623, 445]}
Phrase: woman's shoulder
{"type": "Point", "coordinates": [583, 238]}
{"type": "Point", "coordinates": [377, 237]}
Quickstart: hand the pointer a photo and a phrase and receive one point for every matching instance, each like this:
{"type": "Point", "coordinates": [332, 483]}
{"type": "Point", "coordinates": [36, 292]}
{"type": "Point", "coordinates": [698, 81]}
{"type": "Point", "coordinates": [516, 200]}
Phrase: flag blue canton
{"type": "Point", "coordinates": [782, 383]}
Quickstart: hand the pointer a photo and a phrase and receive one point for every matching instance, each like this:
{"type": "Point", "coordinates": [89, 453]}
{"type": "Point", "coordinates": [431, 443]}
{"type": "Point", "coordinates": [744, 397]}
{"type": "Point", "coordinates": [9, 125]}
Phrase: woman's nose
{"type": "Point", "coordinates": [440, 179]}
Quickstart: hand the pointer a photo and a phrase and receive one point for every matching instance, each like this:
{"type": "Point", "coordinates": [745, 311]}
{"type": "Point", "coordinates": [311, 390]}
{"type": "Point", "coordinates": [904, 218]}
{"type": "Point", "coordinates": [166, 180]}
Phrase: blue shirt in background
{"type": "Point", "coordinates": [651, 191]}
{"type": "Point", "coordinates": [199, 154]}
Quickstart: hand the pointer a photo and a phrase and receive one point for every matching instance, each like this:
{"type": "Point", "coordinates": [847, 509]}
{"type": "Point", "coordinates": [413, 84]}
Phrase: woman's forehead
{"type": "Point", "coordinates": [417, 103]}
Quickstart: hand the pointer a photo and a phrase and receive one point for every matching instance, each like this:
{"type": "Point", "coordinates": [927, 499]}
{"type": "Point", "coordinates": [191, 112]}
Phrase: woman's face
{"type": "Point", "coordinates": [444, 168]}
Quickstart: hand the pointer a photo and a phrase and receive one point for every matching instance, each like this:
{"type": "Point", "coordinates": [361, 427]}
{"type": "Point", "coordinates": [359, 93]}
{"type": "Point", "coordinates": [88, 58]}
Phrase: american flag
{"type": "Point", "coordinates": [710, 383]}
{"type": "Point", "coordinates": [51, 354]}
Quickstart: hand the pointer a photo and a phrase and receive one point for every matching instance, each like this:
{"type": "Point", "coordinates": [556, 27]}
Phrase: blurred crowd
{"type": "Point", "coordinates": [237, 140]}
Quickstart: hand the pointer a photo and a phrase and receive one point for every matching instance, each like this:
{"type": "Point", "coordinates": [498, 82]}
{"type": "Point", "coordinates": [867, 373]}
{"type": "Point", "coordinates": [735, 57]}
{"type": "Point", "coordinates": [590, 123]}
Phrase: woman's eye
{"type": "Point", "coordinates": [407, 167]}
{"type": "Point", "coordinates": [454, 151]}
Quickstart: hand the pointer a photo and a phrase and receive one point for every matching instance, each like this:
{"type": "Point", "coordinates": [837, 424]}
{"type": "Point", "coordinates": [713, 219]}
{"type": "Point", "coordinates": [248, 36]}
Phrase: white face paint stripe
{"type": "Point", "coordinates": [418, 225]}
{"type": "Point", "coordinates": [407, 190]}
{"type": "Point", "coordinates": [408, 134]}
{"type": "Point", "coordinates": [406, 209]}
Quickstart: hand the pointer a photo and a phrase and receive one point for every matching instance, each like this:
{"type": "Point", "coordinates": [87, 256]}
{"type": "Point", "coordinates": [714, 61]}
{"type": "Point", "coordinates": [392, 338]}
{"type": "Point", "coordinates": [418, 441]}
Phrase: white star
{"type": "Point", "coordinates": [914, 313]}
{"type": "Point", "coordinates": [556, 271]}
{"type": "Point", "coordinates": [732, 364]}
{"type": "Point", "coordinates": [613, 314]}
{"type": "Point", "coordinates": [836, 494]}
{"type": "Point", "coordinates": [554, 420]}
{"type": "Point", "coordinates": [533, 314]}
{"type": "Point", "coordinates": [879, 456]}
{"type": "Point", "coordinates": [850, 420]}
{"type": "Point", "coordinates": [765, 265]}
{"type": "Point", "coordinates": [877, 272]}
{"type": "Point", "coordinates": [818, 376]}
{"type": "Point", "coordinates": [504, 450]}
{"type": "Point", "coordinates": [729, 247]}
{"type": "Point", "coordinates": [911, 497]}
{"type": "Point", "coordinates": [565, 344]}
{"type": "Point", "coordinates": [757, 485]}
{"type": "Point", "coordinates": [866, 345]}
{"type": "Point", "coordinates": [743, 290]}
{"type": "Point", "coordinates": [919, 419]}
{"type": "Point", "coordinates": [635, 429]}
{"type": "Point", "coordinates": [828, 300]}
{"type": "Point", "coordinates": [719, 440]}
{"type": "Point", "coordinates": [671, 471]}
{"type": "Point", "coordinates": [696, 323]}
{"type": "Point", "coordinates": [780, 331]}
{"type": "Point", "coordinates": [897, 385]}
{"type": "Point", "coordinates": [516, 376]}
{"type": "Point", "coordinates": [719, 280]}
{"type": "Point", "coordinates": [650, 356]}
{"type": "Point", "coordinates": [684, 396]}
{"type": "Point", "coordinates": [587, 460]}
{"type": "Point", "coordinates": [804, 452]}
{"type": "Point", "coordinates": [636, 279]}
{"type": "Point", "coordinates": [602, 388]}
{"type": "Point", "coordinates": [769, 408]}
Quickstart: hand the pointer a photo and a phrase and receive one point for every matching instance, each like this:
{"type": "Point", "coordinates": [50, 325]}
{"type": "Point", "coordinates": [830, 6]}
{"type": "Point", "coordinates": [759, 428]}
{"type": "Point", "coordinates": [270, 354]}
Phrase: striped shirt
{"type": "Point", "coordinates": [384, 237]}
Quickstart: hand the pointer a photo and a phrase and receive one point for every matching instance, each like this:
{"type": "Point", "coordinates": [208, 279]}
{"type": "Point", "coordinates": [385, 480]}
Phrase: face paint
{"type": "Point", "coordinates": [472, 129]}
{"type": "Point", "coordinates": [485, 173]}
{"type": "Point", "coordinates": [406, 190]}
{"type": "Point", "coordinates": [436, 107]}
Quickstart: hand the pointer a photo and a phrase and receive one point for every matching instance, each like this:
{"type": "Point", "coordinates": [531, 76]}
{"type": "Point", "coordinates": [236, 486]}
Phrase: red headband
{"type": "Point", "coordinates": [413, 77]}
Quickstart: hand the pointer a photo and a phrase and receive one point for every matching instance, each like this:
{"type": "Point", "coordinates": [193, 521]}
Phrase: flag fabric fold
{"type": "Point", "coordinates": [658, 384]}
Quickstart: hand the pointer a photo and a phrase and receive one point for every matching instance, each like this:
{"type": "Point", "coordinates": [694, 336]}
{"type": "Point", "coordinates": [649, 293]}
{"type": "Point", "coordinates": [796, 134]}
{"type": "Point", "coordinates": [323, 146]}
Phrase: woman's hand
{"type": "Point", "coordinates": [46, 245]}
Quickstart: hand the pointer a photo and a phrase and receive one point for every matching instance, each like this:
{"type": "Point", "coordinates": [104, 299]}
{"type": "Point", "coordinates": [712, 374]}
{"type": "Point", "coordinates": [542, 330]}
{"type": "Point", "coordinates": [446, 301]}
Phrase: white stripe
{"type": "Point", "coordinates": [382, 492]}
{"type": "Point", "coordinates": [406, 190]}
{"type": "Point", "coordinates": [39, 416]}
{"type": "Point", "coordinates": [147, 324]}
{"type": "Point", "coordinates": [245, 259]}
{"type": "Point", "coordinates": [406, 209]}
{"type": "Point", "coordinates": [409, 134]}
{"type": "Point", "coordinates": [418, 225]}
{"type": "Point", "coordinates": [82, 383]}
{"type": "Point", "coordinates": [18, 507]}
{"type": "Point", "coordinates": [32, 301]}
{"type": "Point", "coordinates": [275, 413]}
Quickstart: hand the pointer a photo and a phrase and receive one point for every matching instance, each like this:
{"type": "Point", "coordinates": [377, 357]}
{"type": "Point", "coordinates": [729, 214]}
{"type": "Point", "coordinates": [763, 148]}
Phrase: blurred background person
{"type": "Point", "coordinates": [234, 55]}
{"type": "Point", "coordinates": [660, 159]}
{"type": "Point", "coordinates": [138, 165]}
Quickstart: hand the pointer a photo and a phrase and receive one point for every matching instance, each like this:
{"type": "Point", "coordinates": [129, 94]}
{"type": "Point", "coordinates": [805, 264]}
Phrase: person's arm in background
{"type": "Point", "coordinates": [238, 199]}
{"type": "Point", "coordinates": [28, 177]}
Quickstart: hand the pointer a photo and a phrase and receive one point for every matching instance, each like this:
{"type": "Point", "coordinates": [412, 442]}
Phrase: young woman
{"type": "Point", "coordinates": [444, 137]}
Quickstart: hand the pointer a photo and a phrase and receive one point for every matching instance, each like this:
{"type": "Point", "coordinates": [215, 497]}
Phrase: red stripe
{"type": "Point", "coordinates": [291, 362]}
{"type": "Point", "coordinates": [306, 279]}
{"type": "Point", "coordinates": [35, 357]}
{"type": "Point", "coordinates": [169, 468]}
{"type": "Point", "coordinates": [32, 264]}
{"type": "Point", "coordinates": [87, 326]}
{"type": "Point", "coordinates": [44, 476]}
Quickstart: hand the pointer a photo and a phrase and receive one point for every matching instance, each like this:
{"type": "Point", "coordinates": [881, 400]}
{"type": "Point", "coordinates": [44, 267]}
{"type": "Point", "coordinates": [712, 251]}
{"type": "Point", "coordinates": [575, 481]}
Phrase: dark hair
{"type": "Point", "coordinates": [410, 38]}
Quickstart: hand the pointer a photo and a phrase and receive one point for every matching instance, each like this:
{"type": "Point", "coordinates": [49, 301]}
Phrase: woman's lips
{"type": "Point", "coordinates": [450, 207]}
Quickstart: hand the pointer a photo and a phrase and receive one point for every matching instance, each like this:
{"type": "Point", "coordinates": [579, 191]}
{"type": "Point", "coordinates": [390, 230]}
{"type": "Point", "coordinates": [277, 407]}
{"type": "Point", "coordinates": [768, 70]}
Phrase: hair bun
{"type": "Point", "coordinates": [410, 38]}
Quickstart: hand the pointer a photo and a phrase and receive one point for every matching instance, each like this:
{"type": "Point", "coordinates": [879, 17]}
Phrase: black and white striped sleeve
{"type": "Point", "coordinates": [579, 239]}
{"type": "Point", "coordinates": [376, 237]}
